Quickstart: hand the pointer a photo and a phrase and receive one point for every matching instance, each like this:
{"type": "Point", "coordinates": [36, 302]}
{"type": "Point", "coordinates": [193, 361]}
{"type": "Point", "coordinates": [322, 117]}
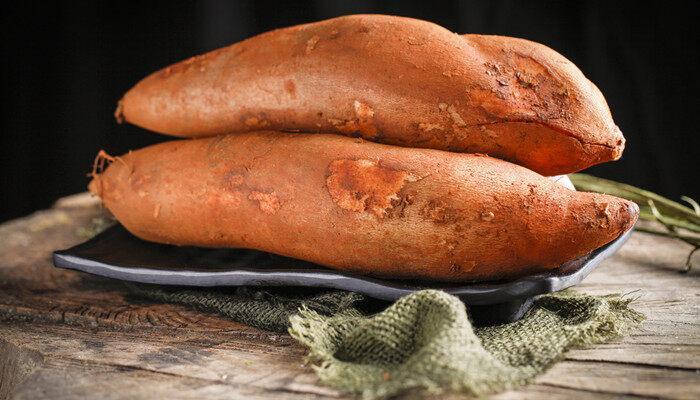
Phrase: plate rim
{"type": "Point", "coordinates": [477, 293]}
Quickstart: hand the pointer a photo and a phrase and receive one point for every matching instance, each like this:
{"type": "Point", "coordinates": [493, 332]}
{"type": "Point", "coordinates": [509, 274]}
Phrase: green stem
{"type": "Point", "coordinates": [692, 240]}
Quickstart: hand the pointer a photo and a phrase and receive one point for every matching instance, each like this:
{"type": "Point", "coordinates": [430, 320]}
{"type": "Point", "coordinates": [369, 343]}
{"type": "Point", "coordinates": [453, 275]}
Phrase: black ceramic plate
{"type": "Point", "coordinates": [117, 254]}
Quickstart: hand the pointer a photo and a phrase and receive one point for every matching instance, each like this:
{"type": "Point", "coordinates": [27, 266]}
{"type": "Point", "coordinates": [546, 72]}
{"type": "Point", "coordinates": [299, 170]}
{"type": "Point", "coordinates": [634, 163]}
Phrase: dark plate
{"type": "Point", "coordinates": [117, 254]}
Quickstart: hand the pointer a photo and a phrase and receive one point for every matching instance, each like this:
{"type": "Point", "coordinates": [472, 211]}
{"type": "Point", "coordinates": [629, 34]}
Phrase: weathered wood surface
{"type": "Point", "coordinates": [68, 335]}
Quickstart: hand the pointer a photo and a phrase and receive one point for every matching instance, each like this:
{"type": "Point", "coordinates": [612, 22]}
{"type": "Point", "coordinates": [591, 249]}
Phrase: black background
{"type": "Point", "coordinates": [66, 64]}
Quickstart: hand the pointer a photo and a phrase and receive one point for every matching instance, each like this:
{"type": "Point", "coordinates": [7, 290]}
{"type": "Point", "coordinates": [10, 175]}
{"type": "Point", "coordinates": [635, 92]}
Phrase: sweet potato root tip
{"type": "Point", "coordinates": [119, 112]}
{"type": "Point", "coordinates": [101, 159]}
{"type": "Point", "coordinates": [98, 166]}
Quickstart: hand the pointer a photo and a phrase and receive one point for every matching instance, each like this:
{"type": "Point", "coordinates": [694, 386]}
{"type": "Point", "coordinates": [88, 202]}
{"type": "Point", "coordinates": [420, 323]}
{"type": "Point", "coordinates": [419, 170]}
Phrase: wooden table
{"type": "Point", "coordinates": [69, 335]}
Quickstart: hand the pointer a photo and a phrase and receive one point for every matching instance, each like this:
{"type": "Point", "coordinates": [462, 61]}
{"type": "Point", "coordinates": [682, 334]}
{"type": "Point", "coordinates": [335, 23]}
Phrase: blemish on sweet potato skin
{"type": "Point", "coordinates": [364, 186]}
{"type": "Point", "coordinates": [291, 88]}
{"type": "Point", "coordinates": [487, 216]}
{"type": "Point", "coordinates": [362, 123]}
{"type": "Point", "coordinates": [233, 180]}
{"type": "Point", "coordinates": [255, 122]}
{"type": "Point", "coordinates": [311, 44]}
{"type": "Point", "coordinates": [464, 267]}
{"type": "Point", "coordinates": [439, 212]}
{"type": "Point", "coordinates": [269, 203]}
{"type": "Point", "coordinates": [427, 127]}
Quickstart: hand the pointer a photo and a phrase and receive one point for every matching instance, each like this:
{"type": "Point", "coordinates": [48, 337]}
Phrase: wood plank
{"type": "Point", "coordinates": [70, 380]}
{"type": "Point", "coordinates": [552, 392]}
{"type": "Point", "coordinates": [622, 379]}
{"type": "Point", "coordinates": [247, 364]}
{"type": "Point", "coordinates": [681, 356]}
{"type": "Point", "coordinates": [67, 335]}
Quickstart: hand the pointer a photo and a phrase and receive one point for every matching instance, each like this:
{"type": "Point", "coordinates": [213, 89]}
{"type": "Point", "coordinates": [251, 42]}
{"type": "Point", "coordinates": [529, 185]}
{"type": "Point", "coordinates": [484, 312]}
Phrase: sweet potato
{"type": "Point", "coordinates": [358, 206]}
{"type": "Point", "coordinates": [391, 80]}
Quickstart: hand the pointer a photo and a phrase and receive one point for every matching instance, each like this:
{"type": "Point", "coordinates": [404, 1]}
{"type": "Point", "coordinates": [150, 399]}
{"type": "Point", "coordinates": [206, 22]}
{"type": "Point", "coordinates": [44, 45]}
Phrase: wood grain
{"type": "Point", "coordinates": [68, 335]}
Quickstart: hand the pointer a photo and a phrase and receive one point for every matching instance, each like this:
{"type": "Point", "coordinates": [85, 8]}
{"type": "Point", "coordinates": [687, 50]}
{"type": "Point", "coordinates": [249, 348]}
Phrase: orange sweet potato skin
{"type": "Point", "coordinates": [392, 80]}
{"type": "Point", "coordinates": [358, 206]}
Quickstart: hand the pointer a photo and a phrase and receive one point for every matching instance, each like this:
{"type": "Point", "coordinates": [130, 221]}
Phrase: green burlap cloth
{"type": "Point", "coordinates": [424, 340]}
